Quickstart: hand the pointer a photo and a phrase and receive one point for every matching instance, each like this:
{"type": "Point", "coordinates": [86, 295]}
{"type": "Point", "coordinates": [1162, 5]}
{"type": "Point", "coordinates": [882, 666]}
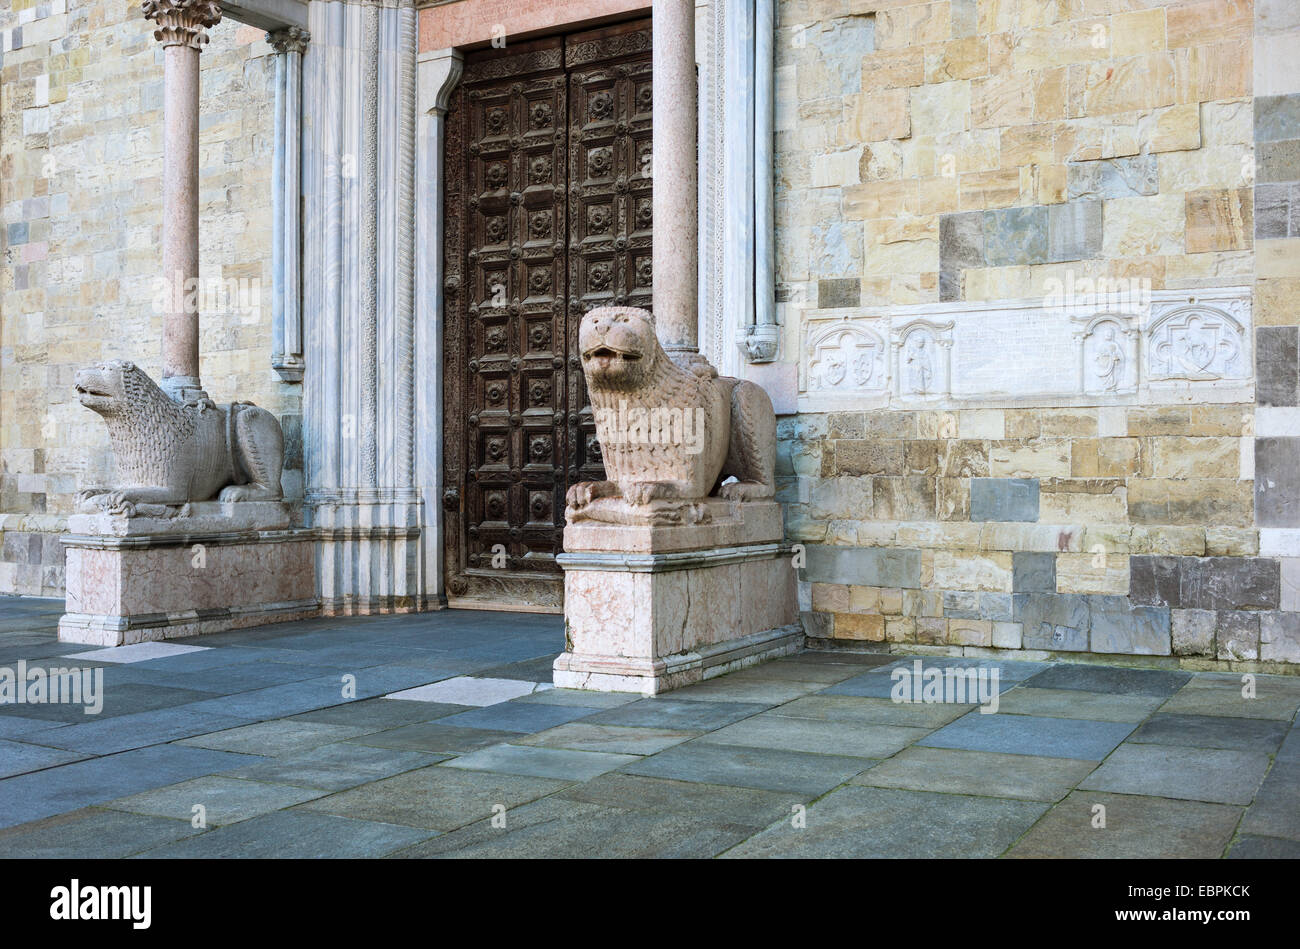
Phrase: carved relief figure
{"type": "Point", "coordinates": [627, 372]}
{"type": "Point", "coordinates": [169, 453]}
{"type": "Point", "coordinates": [1109, 362]}
{"type": "Point", "coordinates": [920, 366]}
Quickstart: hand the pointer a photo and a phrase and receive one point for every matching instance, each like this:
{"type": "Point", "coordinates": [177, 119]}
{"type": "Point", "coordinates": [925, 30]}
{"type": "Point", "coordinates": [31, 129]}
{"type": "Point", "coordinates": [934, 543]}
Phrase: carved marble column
{"type": "Point", "coordinates": [182, 30]}
{"type": "Point", "coordinates": [286, 243]}
{"type": "Point", "coordinates": [675, 162]}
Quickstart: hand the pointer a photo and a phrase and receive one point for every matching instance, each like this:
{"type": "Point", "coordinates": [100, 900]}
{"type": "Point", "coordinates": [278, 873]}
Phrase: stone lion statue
{"type": "Point", "coordinates": [667, 433]}
{"type": "Point", "coordinates": [169, 453]}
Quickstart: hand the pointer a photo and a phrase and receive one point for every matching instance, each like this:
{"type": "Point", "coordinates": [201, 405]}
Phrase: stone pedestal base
{"type": "Point", "coordinates": [210, 568]}
{"type": "Point", "coordinates": [648, 609]}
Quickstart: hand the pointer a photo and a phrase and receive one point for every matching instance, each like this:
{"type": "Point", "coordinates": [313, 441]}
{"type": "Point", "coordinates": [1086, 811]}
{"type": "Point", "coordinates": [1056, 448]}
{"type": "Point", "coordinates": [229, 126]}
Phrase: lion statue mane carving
{"type": "Point", "coordinates": [171, 453]}
{"type": "Point", "coordinates": [638, 392]}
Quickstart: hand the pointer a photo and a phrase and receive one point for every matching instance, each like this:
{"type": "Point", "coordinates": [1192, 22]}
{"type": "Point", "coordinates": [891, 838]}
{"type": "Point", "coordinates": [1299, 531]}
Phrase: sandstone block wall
{"type": "Point", "coordinates": [80, 198]}
{"type": "Point", "coordinates": [990, 452]}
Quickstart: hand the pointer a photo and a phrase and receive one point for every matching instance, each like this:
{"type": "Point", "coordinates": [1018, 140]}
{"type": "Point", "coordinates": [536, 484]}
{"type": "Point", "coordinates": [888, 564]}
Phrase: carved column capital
{"type": "Point", "coordinates": [291, 39]}
{"type": "Point", "coordinates": [182, 22]}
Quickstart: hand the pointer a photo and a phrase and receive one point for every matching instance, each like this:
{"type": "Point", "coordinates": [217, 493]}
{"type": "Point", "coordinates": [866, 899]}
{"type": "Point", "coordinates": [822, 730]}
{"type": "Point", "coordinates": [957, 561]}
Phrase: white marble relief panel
{"type": "Point", "coordinates": [1180, 346]}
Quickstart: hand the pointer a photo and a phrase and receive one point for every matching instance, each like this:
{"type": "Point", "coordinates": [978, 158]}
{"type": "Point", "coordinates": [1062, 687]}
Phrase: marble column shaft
{"type": "Point", "coordinates": [286, 246]}
{"type": "Point", "coordinates": [675, 162]}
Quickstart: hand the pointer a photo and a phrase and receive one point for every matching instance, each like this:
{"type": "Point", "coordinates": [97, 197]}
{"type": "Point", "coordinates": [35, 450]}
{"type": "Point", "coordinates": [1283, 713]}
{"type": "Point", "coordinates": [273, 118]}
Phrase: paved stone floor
{"type": "Point", "coordinates": [455, 729]}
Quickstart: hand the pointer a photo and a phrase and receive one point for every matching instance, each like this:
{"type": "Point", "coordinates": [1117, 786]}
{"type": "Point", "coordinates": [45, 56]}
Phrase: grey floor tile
{"type": "Point", "coordinates": [224, 800]}
{"type": "Point", "coordinates": [563, 829]}
{"type": "Point", "coordinates": [525, 718]}
{"type": "Point", "coordinates": [15, 726]}
{"type": "Point", "coordinates": [106, 736]}
{"type": "Point", "coordinates": [1212, 731]}
{"type": "Point", "coordinates": [716, 803]}
{"type": "Point", "coordinates": [766, 768]}
{"type": "Point", "coordinates": [1077, 703]}
{"type": "Point", "coordinates": [827, 738]}
{"type": "Point", "coordinates": [732, 688]}
{"type": "Point", "coordinates": [1193, 774]}
{"type": "Point", "coordinates": [277, 737]}
{"type": "Point", "coordinates": [294, 835]}
{"type": "Point", "coordinates": [1031, 735]}
{"type": "Point", "coordinates": [29, 797]}
{"type": "Point", "coordinates": [672, 713]}
{"type": "Point", "coordinates": [380, 713]}
{"type": "Point", "coordinates": [560, 763]}
{"type": "Point", "coordinates": [334, 767]}
{"type": "Point", "coordinates": [978, 773]}
{"type": "Point", "coordinates": [436, 738]}
{"type": "Point", "coordinates": [1135, 827]}
{"type": "Point", "coordinates": [1248, 847]}
{"type": "Point", "coordinates": [17, 757]}
{"type": "Point", "coordinates": [437, 798]}
{"type": "Point", "coordinates": [1276, 810]}
{"type": "Point", "coordinates": [870, 711]}
{"type": "Point", "coordinates": [578, 697]}
{"type": "Point", "coordinates": [1202, 698]}
{"type": "Point", "coordinates": [782, 670]}
{"type": "Point", "coordinates": [1089, 678]}
{"type": "Point", "coordinates": [886, 822]}
{"type": "Point", "coordinates": [90, 834]}
{"type": "Point", "coordinates": [881, 684]}
{"type": "Point", "coordinates": [619, 739]}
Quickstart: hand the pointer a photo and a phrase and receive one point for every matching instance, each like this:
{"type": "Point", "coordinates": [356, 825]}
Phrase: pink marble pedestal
{"type": "Point", "coordinates": [216, 567]}
{"type": "Point", "coordinates": [649, 609]}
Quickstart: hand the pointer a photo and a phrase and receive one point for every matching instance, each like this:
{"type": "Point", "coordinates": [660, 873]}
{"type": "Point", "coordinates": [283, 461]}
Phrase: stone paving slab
{"type": "Point", "coordinates": [563, 829]}
{"type": "Point", "coordinates": [878, 684]}
{"type": "Point", "coordinates": [92, 833]}
{"type": "Point", "coordinates": [1276, 806]}
{"type": "Point", "coordinates": [1193, 774]}
{"type": "Point", "coordinates": [827, 738]}
{"type": "Point", "coordinates": [516, 717]}
{"type": "Point", "coordinates": [673, 713]}
{"type": "Point", "coordinates": [29, 797]}
{"type": "Point", "coordinates": [122, 733]}
{"type": "Point", "coordinates": [224, 800]}
{"type": "Point", "coordinates": [380, 714]}
{"type": "Point", "coordinates": [278, 737]}
{"type": "Point", "coordinates": [767, 768]}
{"type": "Point", "coordinates": [436, 798]}
{"type": "Point", "coordinates": [578, 697]}
{"type": "Point", "coordinates": [1089, 678]}
{"type": "Point", "coordinates": [982, 774]}
{"type": "Point", "coordinates": [717, 803]}
{"type": "Point", "coordinates": [1135, 827]}
{"type": "Point", "coordinates": [1031, 735]}
{"type": "Point", "coordinates": [619, 739]}
{"type": "Point", "coordinates": [764, 692]}
{"type": "Point", "coordinates": [561, 763]}
{"type": "Point", "coordinates": [21, 757]}
{"type": "Point", "coordinates": [1264, 848]}
{"type": "Point", "coordinates": [436, 738]}
{"type": "Point", "coordinates": [1212, 731]}
{"type": "Point", "coordinates": [871, 711]}
{"type": "Point", "coordinates": [293, 834]}
{"type": "Point", "coordinates": [1227, 700]}
{"type": "Point", "coordinates": [467, 690]}
{"type": "Point", "coordinates": [1076, 703]}
{"type": "Point", "coordinates": [886, 822]}
{"type": "Point", "coordinates": [334, 767]}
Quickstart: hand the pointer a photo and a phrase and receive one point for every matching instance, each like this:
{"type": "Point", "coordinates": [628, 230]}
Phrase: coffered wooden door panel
{"type": "Point", "coordinates": [547, 216]}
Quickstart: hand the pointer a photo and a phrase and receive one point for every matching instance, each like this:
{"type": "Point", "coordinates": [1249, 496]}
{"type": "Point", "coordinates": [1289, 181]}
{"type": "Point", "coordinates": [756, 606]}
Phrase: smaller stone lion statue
{"type": "Point", "coordinates": [169, 453]}
{"type": "Point", "coordinates": [670, 436]}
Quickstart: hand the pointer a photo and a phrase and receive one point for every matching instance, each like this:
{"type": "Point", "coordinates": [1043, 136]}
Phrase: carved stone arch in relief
{"type": "Point", "coordinates": [1197, 342]}
{"type": "Point", "coordinates": [846, 357]}
{"type": "Point", "coordinates": [1108, 359]}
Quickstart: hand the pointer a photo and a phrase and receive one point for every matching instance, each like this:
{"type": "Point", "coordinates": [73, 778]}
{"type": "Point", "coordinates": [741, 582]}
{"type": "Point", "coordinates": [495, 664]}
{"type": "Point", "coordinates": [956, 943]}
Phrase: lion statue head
{"type": "Point", "coordinates": [619, 348]}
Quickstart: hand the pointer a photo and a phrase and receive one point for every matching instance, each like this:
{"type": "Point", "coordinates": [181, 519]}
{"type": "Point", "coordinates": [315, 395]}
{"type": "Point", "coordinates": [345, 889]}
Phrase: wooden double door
{"type": "Point", "coordinates": [548, 214]}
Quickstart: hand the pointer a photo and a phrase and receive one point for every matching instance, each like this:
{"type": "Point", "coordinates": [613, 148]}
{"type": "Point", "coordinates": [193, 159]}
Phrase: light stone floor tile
{"type": "Point", "coordinates": [224, 800]}
{"type": "Point", "coordinates": [537, 762]}
{"type": "Point", "coordinates": [136, 652]}
{"type": "Point", "coordinates": [619, 739]}
{"type": "Point", "coordinates": [978, 773]}
{"type": "Point", "coordinates": [1135, 827]}
{"type": "Point", "coordinates": [803, 734]}
{"type": "Point", "coordinates": [1228, 701]}
{"type": "Point", "coordinates": [888, 822]}
{"type": "Point", "coordinates": [1191, 774]}
{"type": "Point", "coordinates": [467, 690]}
{"type": "Point", "coordinates": [873, 711]}
{"type": "Point", "coordinates": [1075, 703]}
{"type": "Point", "coordinates": [277, 737]}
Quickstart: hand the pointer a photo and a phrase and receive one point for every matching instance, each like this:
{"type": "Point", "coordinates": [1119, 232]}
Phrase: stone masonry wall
{"type": "Point", "coordinates": [1060, 472]}
{"type": "Point", "coordinates": [81, 127]}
